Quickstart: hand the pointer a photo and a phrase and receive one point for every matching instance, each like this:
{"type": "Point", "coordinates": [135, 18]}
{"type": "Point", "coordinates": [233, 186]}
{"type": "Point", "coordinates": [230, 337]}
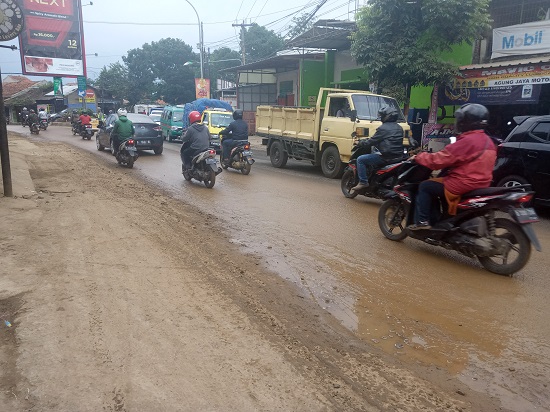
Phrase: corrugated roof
{"type": "Point", "coordinates": [326, 34]}
{"type": "Point", "coordinates": [507, 63]}
{"type": "Point", "coordinates": [283, 61]}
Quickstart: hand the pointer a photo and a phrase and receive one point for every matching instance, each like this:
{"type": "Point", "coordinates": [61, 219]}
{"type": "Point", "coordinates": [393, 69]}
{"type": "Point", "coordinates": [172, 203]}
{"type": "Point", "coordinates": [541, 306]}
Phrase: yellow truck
{"type": "Point", "coordinates": [216, 120]}
{"type": "Point", "coordinates": [323, 134]}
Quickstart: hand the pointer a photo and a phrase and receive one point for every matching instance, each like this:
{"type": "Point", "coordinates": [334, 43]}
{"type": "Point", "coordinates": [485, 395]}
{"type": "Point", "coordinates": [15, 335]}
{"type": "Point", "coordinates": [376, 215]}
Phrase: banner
{"type": "Point", "coordinates": [52, 43]}
{"type": "Point", "coordinates": [538, 73]}
{"type": "Point", "coordinates": [526, 94]}
{"type": "Point", "coordinates": [58, 86]}
{"type": "Point", "coordinates": [521, 39]}
{"type": "Point", "coordinates": [202, 88]}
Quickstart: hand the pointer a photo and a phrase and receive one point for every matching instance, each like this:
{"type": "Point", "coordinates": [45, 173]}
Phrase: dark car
{"type": "Point", "coordinates": [148, 134]}
{"type": "Point", "coordinates": [524, 157]}
{"type": "Point", "coordinates": [59, 116]}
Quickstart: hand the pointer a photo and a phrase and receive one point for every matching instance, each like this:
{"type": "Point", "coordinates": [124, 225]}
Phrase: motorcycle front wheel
{"type": "Point", "coordinates": [517, 255]}
{"type": "Point", "coordinates": [347, 182]}
{"type": "Point", "coordinates": [392, 219]}
{"type": "Point", "coordinates": [210, 179]}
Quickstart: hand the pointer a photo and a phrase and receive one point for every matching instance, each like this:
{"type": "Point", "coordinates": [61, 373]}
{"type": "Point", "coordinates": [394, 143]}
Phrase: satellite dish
{"type": "Point", "coordinates": [11, 20]}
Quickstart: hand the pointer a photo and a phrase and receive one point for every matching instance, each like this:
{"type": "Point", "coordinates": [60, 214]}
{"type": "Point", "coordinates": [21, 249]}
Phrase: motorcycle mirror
{"type": "Point", "coordinates": [353, 115]}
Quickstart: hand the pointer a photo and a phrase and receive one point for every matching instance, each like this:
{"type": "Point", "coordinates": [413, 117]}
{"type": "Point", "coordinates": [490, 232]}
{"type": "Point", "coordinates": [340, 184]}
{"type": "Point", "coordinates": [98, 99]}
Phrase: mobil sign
{"type": "Point", "coordinates": [521, 39]}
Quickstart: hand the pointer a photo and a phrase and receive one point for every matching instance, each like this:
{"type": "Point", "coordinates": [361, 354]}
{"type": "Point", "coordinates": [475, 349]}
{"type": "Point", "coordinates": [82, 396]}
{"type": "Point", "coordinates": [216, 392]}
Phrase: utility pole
{"type": "Point", "coordinates": [243, 32]}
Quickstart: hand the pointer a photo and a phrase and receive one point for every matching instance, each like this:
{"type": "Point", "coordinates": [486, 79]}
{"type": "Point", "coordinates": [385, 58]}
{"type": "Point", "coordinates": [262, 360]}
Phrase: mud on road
{"type": "Point", "coordinates": [121, 298]}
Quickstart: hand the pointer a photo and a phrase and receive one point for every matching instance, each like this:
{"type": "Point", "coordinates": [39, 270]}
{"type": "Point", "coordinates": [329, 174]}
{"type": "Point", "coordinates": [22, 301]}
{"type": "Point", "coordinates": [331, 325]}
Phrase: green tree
{"type": "Point", "coordinates": [261, 43]}
{"type": "Point", "coordinates": [399, 42]}
{"type": "Point", "coordinates": [113, 81]}
{"type": "Point", "coordinates": [300, 24]}
{"type": "Point", "coordinates": [220, 59]}
{"type": "Point", "coordinates": [157, 71]}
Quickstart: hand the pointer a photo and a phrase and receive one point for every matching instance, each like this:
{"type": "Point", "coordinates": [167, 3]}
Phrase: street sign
{"type": "Point", "coordinates": [81, 86]}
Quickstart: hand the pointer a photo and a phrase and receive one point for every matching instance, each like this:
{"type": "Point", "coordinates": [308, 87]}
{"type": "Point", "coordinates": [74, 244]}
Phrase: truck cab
{"type": "Point", "coordinates": [216, 120]}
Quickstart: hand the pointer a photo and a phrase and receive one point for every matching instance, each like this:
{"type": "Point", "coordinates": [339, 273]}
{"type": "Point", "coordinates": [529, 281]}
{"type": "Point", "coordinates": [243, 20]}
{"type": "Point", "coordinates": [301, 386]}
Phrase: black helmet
{"type": "Point", "coordinates": [388, 114]}
{"type": "Point", "coordinates": [238, 114]}
{"type": "Point", "coordinates": [471, 116]}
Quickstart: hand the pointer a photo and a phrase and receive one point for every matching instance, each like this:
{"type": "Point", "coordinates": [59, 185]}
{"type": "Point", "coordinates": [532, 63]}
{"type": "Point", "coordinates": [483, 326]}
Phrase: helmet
{"type": "Point", "coordinates": [388, 114]}
{"type": "Point", "coordinates": [121, 112]}
{"type": "Point", "coordinates": [32, 110]}
{"type": "Point", "coordinates": [24, 108]}
{"type": "Point", "coordinates": [238, 114]}
{"type": "Point", "coordinates": [471, 116]}
{"type": "Point", "coordinates": [194, 117]}
{"type": "Point", "coordinates": [41, 109]}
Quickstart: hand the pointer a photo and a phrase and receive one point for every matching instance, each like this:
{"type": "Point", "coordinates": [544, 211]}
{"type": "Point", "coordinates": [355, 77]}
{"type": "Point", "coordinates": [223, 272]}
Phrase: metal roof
{"type": "Point", "coordinates": [507, 63]}
{"type": "Point", "coordinates": [326, 34]}
{"type": "Point", "coordinates": [280, 62]}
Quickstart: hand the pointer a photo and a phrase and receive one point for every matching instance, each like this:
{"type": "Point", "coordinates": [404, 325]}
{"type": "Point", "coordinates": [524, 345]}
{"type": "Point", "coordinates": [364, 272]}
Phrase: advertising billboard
{"type": "Point", "coordinates": [521, 39]}
{"type": "Point", "coordinates": [202, 88]}
{"type": "Point", "coordinates": [52, 42]}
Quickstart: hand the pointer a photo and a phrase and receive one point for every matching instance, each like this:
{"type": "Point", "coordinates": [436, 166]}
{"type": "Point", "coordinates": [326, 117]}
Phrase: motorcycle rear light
{"type": "Point", "coordinates": [212, 152]}
{"type": "Point", "coordinates": [246, 147]}
{"type": "Point", "coordinates": [525, 198]}
{"type": "Point", "coordinates": [131, 142]}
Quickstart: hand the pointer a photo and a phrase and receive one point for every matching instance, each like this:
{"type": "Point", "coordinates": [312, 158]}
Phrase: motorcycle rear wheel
{"type": "Point", "coordinates": [210, 179]}
{"type": "Point", "coordinates": [347, 182]}
{"type": "Point", "coordinates": [246, 168]}
{"type": "Point", "coordinates": [130, 163]}
{"type": "Point", "coordinates": [520, 246]}
{"type": "Point", "coordinates": [392, 219]}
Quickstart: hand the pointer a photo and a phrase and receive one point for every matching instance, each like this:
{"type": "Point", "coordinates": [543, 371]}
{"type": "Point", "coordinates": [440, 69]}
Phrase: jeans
{"type": "Point", "coordinates": [428, 202]}
{"type": "Point", "coordinates": [366, 163]}
{"type": "Point", "coordinates": [227, 145]}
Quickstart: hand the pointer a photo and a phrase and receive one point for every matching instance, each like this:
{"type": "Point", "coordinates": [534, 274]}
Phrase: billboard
{"type": "Point", "coordinates": [202, 88]}
{"type": "Point", "coordinates": [52, 42]}
{"type": "Point", "coordinates": [521, 39]}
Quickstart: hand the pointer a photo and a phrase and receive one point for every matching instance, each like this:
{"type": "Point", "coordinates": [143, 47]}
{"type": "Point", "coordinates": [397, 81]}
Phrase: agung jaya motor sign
{"type": "Point", "coordinates": [52, 43]}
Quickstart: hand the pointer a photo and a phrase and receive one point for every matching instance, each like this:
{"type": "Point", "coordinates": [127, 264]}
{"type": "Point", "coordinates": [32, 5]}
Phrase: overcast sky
{"type": "Point", "coordinates": [106, 35]}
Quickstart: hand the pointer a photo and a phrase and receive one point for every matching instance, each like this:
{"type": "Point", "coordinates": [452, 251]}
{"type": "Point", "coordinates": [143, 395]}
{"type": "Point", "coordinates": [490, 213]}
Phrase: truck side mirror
{"type": "Point", "coordinates": [353, 115]}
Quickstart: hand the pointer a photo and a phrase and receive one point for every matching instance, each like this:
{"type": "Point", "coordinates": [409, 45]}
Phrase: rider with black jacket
{"type": "Point", "coordinates": [236, 131]}
{"type": "Point", "coordinates": [388, 139]}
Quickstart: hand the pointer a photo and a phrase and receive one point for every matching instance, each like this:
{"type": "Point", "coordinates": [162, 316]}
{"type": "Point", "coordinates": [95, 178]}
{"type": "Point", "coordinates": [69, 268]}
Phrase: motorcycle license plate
{"type": "Point", "coordinates": [131, 149]}
{"type": "Point", "coordinates": [210, 161]}
{"type": "Point", "coordinates": [247, 153]}
{"type": "Point", "coordinates": [525, 215]}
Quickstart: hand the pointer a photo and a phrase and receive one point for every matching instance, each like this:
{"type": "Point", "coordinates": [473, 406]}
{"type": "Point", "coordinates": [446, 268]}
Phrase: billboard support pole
{"type": "Point", "coordinates": [4, 149]}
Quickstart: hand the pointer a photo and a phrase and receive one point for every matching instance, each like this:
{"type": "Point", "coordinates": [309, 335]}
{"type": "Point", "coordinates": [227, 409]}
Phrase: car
{"type": "Point", "coordinates": [148, 134]}
{"type": "Point", "coordinates": [59, 116]}
{"type": "Point", "coordinates": [171, 123]}
{"type": "Point", "coordinates": [524, 157]}
{"type": "Point", "coordinates": [155, 115]}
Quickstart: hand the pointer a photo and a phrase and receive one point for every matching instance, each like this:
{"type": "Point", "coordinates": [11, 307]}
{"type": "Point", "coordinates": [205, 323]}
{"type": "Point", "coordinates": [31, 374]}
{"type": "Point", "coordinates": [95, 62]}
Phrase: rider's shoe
{"type": "Point", "coordinates": [359, 187]}
{"type": "Point", "coordinates": [420, 226]}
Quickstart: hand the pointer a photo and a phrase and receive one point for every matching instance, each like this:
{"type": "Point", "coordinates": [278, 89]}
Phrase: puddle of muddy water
{"type": "Point", "coordinates": [401, 318]}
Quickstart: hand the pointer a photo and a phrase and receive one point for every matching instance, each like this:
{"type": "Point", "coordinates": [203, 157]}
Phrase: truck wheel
{"type": "Point", "coordinates": [331, 165]}
{"type": "Point", "coordinates": [278, 155]}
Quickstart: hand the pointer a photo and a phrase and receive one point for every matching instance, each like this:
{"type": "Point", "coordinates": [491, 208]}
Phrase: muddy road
{"type": "Point", "coordinates": [430, 310]}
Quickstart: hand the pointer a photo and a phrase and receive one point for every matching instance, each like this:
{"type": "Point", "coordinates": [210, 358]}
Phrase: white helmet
{"type": "Point", "coordinates": [122, 112]}
{"type": "Point", "coordinates": [24, 108]}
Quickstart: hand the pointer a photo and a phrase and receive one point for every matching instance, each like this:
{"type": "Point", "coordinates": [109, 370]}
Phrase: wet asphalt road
{"type": "Point", "coordinates": [418, 302]}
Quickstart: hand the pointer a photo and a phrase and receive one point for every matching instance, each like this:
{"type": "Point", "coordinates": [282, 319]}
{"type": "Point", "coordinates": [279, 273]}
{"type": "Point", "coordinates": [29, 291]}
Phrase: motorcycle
{"type": "Point", "coordinates": [502, 245]}
{"type": "Point", "coordinates": [44, 124]}
{"type": "Point", "coordinates": [24, 118]}
{"type": "Point", "coordinates": [127, 153]}
{"type": "Point", "coordinates": [240, 158]}
{"type": "Point", "coordinates": [75, 128]}
{"type": "Point", "coordinates": [86, 131]}
{"type": "Point", "coordinates": [204, 168]}
{"type": "Point", "coordinates": [381, 181]}
{"type": "Point", "coordinates": [35, 128]}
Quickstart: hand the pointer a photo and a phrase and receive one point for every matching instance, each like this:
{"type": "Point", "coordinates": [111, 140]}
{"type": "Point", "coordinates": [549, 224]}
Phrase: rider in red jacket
{"type": "Point", "coordinates": [468, 163]}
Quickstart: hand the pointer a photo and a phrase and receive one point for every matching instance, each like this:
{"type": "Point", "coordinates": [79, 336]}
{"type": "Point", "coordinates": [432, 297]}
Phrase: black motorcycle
{"type": "Point", "coordinates": [86, 131]}
{"type": "Point", "coordinates": [381, 181]}
{"type": "Point", "coordinates": [204, 168]}
{"type": "Point", "coordinates": [44, 124]}
{"type": "Point", "coordinates": [35, 128]}
{"type": "Point", "coordinates": [75, 128]}
{"type": "Point", "coordinates": [502, 245]}
{"type": "Point", "coordinates": [240, 157]}
{"type": "Point", "coordinates": [127, 153]}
